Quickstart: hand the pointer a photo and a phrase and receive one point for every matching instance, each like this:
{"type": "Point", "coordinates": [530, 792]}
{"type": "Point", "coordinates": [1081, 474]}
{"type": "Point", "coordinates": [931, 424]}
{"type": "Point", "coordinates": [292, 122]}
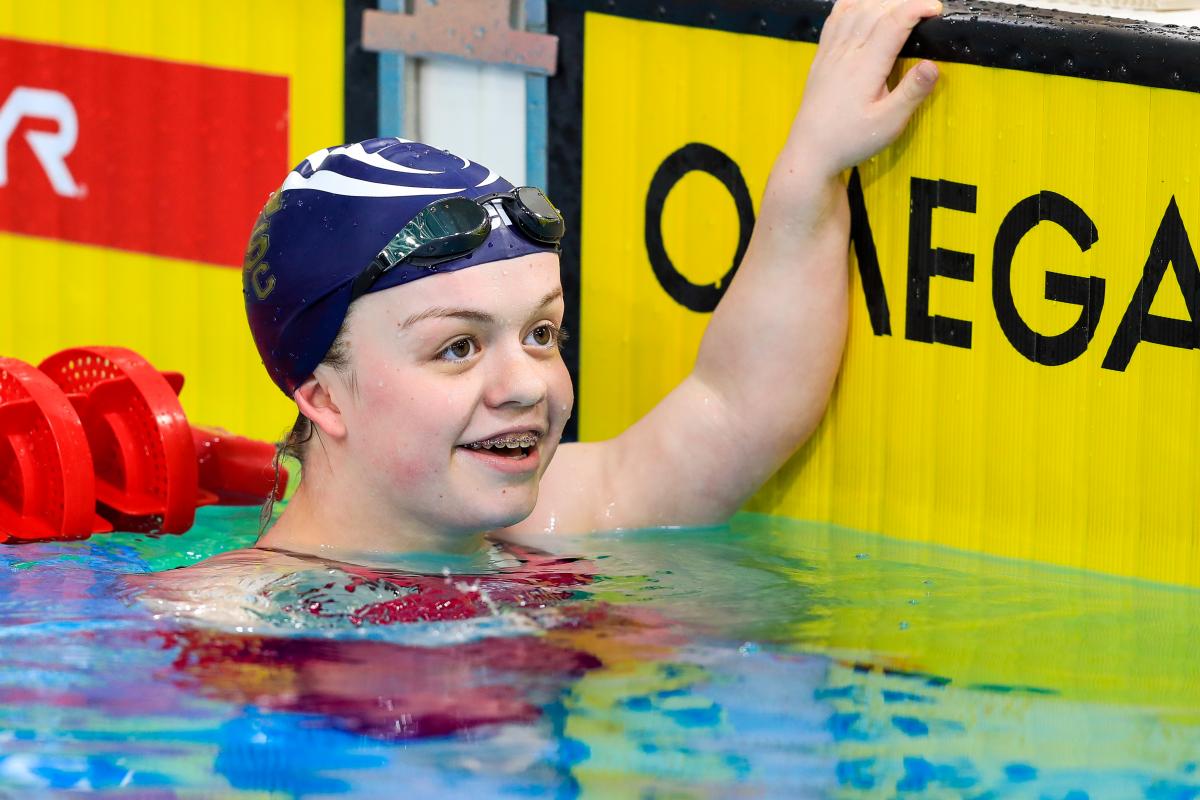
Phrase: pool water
{"type": "Point", "coordinates": [769, 658]}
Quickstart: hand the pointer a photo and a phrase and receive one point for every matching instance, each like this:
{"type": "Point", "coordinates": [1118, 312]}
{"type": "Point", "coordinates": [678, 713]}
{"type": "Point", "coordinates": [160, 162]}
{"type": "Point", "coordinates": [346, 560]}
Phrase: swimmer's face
{"type": "Point", "coordinates": [449, 368]}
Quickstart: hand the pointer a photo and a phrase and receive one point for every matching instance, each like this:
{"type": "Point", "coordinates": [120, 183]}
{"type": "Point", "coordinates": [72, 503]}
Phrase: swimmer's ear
{"type": "Point", "coordinates": [316, 402]}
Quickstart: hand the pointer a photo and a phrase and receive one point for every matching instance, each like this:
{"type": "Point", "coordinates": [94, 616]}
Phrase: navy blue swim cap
{"type": "Point", "coordinates": [334, 213]}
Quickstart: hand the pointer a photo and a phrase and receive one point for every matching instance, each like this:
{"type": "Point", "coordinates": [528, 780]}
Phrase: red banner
{"type": "Point", "coordinates": [137, 153]}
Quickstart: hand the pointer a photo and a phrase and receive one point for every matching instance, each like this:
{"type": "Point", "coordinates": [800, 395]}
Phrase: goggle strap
{"type": "Point", "coordinates": [367, 278]}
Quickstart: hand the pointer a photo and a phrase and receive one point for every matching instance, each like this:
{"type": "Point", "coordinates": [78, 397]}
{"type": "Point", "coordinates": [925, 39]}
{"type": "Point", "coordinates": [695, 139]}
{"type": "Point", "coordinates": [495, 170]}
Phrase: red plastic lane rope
{"type": "Point", "coordinates": [47, 488]}
{"type": "Point", "coordinates": [141, 443]}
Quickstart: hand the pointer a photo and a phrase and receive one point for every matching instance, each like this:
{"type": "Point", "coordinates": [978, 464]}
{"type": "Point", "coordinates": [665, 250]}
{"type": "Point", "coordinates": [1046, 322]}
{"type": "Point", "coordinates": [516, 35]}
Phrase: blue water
{"type": "Point", "coordinates": [766, 659]}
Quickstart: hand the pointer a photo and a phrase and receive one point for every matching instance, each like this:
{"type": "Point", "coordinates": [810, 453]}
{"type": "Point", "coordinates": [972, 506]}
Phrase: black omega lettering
{"type": "Point", "coordinates": [1088, 293]}
{"type": "Point", "coordinates": [925, 262]}
{"type": "Point", "coordinates": [1171, 246]}
{"type": "Point", "coordinates": [703, 157]}
{"type": "Point", "coordinates": [868, 258]}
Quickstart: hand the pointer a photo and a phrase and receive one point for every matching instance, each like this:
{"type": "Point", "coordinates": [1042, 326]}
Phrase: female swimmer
{"type": "Point", "coordinates": [409, 302]}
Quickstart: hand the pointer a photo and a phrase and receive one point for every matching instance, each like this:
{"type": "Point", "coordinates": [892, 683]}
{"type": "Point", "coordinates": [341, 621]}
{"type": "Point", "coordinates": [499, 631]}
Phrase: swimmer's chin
{"type": "Point", "coordinates": [509, 520]}
{"type": "Point", "coordinates": [514, 516]}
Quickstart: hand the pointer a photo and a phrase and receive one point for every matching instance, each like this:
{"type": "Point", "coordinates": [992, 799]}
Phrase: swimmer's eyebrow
{"type": "Point", "coordinates": [550, 297]}
{"type": "Point", "coordinates": [438, 312]}
{"type": "Point", "coordinates": [471, 315]}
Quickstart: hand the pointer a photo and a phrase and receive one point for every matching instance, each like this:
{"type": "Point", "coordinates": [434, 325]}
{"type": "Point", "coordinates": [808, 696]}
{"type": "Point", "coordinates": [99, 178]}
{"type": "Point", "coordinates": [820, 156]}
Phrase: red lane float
{"type": "Point", "coordinates": [139, 436]}
{"type": "Point", "coordinates": [236, 471]}
{"type": "Point", "coordinates": [99, 428]}
{"type": "Point", "coordinates": [47, 487]}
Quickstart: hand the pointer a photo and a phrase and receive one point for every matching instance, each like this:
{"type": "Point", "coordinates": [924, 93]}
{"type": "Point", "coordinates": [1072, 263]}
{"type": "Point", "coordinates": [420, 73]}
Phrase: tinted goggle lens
{"type": "Point", "coordinates": [447, 229]}
{"type": "Point", "coordinates": [537, 216]}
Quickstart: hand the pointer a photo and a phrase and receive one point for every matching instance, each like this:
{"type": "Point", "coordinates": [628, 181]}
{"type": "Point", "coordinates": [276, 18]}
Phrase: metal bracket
{"type": "Point", "coordinates": [476, 30]}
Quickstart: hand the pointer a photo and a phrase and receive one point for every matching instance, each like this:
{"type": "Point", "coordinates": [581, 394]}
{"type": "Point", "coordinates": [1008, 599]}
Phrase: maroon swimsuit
{"type": "Point", "coordinates": [402, 691]}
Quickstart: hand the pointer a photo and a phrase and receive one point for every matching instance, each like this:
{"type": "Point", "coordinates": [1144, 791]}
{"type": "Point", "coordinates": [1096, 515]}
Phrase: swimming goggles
{"type": "Point", "coordinates": [452, 227]}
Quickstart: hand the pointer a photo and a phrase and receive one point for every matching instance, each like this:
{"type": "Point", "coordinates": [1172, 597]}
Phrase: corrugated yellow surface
{"type": "Point", "coordinates": [977, 447]}
{"type": "Point", "coordinates": [182, 316]}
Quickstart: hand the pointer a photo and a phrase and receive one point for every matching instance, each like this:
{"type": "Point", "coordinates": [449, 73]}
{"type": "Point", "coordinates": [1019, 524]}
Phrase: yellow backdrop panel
{"type": "Point", "coordinates": [1087, 462]}
{"type": "Point", "coordinates": [182, 315]}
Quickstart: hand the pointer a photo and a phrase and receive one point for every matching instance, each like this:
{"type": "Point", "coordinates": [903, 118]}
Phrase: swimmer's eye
{"type": "Point", "coordinates": [546, 335]}
{"type": "Point", "coordinates": [459, 350]}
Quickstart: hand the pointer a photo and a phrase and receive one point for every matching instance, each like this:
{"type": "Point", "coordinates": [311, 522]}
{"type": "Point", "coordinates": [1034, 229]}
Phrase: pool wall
{"type": "Point", "coordinates": [171, 122]}
{"type": "Point", "coordinates": [1020, 377]}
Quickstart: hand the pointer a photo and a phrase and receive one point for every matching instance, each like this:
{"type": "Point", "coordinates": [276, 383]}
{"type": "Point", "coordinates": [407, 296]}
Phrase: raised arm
{"type": "Point", "coordinates": [771, 352]}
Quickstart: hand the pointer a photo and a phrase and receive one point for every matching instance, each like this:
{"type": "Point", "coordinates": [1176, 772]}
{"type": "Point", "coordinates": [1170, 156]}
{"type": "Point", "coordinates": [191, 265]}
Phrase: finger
{"type": "Point", "coordinates": [862, 24]}
{"type": "Point", "coordinates": [893, 30]}
{"type": "Point", "coordinates": [840, 9]}
{"type": "Point", "coordinates": [903, 15]}
{"type": "Point", "coordinates": [839, 22]}
{"type": "Point", "coordinates": [912, 90]}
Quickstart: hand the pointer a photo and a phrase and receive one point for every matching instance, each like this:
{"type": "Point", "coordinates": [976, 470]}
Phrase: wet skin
{"type": "Point", "coordinates": [437, 367]}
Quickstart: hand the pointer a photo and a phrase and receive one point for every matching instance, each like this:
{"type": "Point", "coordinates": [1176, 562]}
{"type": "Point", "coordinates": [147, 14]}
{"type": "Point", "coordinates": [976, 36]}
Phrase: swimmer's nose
{"type": "Point", "coordinates": [517, 379]}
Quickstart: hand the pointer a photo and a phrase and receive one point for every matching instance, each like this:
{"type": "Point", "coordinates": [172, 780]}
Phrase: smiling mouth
{"type": "Point", "coordinates": [513, 445]}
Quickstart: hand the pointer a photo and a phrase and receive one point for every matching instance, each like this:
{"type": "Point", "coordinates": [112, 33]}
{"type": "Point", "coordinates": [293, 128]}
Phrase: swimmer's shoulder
{"type": "Point", "coordinates": [242, 567]}
{"type": "Point", "coordinates": [223, 589]}
{"type": "Point", "coordinates": [568, 495]}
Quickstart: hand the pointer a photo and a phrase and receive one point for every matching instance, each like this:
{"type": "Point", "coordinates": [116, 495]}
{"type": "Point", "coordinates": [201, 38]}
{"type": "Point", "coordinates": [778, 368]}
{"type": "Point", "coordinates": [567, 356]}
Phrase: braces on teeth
{"type": "Point", "coordinates": [511, 442]}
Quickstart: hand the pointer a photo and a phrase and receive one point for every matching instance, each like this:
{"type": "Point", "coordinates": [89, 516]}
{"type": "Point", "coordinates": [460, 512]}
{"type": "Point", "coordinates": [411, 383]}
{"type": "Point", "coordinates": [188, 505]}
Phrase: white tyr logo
{"type": "Point", "coordinates": [50, 147]}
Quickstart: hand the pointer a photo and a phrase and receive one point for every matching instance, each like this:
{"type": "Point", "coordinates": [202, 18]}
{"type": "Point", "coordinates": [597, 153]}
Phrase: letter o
{"type": "Point", "coordinates": [703, 157]}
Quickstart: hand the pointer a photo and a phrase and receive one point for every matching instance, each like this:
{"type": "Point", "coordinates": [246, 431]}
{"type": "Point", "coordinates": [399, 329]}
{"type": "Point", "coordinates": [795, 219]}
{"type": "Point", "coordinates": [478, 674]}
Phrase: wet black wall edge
{"type": "Point", "coordinates": [983, 33]}
{"type": "Point", "coordinates": [360, 82]}
{"type": "Point", "coordinates": [564, 151]}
